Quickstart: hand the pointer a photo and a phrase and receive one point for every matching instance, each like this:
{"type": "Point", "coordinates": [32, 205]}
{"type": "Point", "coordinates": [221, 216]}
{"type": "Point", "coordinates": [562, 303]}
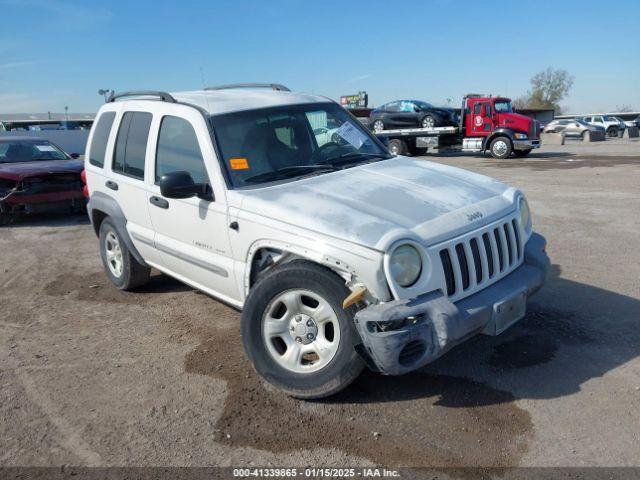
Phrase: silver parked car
{"type": "Point", "coordinates": [571, 127]}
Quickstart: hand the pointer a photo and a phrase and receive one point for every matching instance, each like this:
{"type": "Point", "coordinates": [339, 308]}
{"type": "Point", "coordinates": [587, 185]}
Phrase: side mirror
{"type": "Point", "coordinates": [75, 156]}
{"type": "Point", "coordinates": [417, 109]}
{"type": "Point", "coordinates": [181, 185]}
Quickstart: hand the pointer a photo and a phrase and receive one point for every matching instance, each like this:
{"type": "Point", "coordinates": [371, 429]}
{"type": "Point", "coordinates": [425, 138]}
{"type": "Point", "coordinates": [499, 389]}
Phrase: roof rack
{"type": "Point", "coordinates": [273, 86]}
{"type": "Point", "coordinates": [164, 96]}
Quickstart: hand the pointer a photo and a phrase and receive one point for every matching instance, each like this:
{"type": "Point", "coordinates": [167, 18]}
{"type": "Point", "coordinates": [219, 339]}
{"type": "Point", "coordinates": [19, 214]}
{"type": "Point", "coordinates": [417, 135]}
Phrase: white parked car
{"type": "Point", "coordinates": [610, 124]}
{"type": "Point", "coordinates": [339, 254]}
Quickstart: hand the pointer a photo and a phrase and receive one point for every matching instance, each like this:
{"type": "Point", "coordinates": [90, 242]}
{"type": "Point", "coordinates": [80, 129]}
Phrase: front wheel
{"type": "Point", "coordinates": [500, 147]}
{"type": "Point", "coordinates": [296, 333]}
{"type": "Point", "coordinates": [428, 122]}
{"type": "Point", "coordinates": [612, 132]}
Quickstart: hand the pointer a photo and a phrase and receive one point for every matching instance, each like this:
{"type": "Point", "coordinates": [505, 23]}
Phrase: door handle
{"type": "Point", "coordinates": [111, 184]}
{"type": "Point", "coordinates": [159, 202]}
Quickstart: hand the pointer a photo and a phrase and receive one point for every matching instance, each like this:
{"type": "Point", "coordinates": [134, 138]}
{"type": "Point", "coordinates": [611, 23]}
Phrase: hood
{"type": "Point", "coordinates": [376, 204]}
{"type": "Point", "coordinates": [18, 171]}
{"type": "Point", "coordinates": [515, 121]}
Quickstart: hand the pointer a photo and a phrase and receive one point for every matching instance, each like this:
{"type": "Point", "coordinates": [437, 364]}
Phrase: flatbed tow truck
{"type": "Point", "coordinates": [487, 123]}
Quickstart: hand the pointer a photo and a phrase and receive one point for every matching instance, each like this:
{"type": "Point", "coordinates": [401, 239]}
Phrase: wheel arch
{"type": "Point", "coordinates": [102, 206]}
{"type": "Point", "coordinates": [498, 132]}
{"type": "Point", "coordinates": [265, 254]}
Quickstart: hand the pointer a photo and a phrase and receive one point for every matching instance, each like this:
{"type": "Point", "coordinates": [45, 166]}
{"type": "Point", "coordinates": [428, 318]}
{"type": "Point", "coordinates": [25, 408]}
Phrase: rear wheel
{"type": "Point", "coordinates": [612, 132]}
{"type": "Point", "coordinates": [378, 126]}
{"type": "Point", "coordinates": [500, 147]}
{"type": "Point", "coordinates": [296, 333]}
{"type": "Point", "coordinates": [124, 271]}
{"type": "Point", "coordinates": [397, 147]}
{"type": "Point", "coordinates": [418, 151]}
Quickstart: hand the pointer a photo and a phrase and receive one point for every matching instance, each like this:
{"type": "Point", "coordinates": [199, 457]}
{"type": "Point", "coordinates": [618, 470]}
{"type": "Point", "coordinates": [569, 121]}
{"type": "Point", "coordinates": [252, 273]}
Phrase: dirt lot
{"type": "Point", "coordinates": [93, 376]}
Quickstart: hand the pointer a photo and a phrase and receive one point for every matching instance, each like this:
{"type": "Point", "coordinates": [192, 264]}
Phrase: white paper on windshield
{"type": "Point", "coordinates": [45, 148]}
{"type": "Point", "coordinates": [351, 134]}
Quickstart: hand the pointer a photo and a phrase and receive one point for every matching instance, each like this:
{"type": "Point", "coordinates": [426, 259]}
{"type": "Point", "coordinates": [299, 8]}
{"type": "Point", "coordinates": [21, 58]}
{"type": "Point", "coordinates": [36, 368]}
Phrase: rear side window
{"type": "Point", "coordinates": [131, 144]}
{"type": "Point", "coordinates": [98, 145]}
{"type": "Point", "coordinates": [178, 150]}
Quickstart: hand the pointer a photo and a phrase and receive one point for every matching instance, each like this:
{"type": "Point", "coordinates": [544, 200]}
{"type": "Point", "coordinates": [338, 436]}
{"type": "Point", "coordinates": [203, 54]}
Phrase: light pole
{"type": "Point", "coordinates": [105, 93]}
{"type": "Point", "coordinates": [66, 113]}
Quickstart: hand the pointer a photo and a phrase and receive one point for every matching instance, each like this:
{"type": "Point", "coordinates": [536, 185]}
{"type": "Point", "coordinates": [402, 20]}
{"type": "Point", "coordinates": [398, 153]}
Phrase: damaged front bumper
{"type": "Point", "coordinates": [431, 324]}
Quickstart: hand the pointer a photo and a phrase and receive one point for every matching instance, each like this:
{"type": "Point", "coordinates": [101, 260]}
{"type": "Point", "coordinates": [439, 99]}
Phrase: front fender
{"type": "Point", "coordinates": [351, 266]}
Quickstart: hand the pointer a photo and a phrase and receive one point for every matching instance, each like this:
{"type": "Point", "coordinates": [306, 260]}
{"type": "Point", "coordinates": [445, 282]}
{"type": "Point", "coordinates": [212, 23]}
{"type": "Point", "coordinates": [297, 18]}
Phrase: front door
{"type": "Point", "coordinates": [481, 119]}
{"type": "Point", "coordinates": [192, 234]}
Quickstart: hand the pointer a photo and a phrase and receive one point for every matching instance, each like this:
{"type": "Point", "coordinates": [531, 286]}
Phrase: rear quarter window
{"type": "Point", "coordinates": [131, 144]}
{"type": "Point", "coordinates": [98, 147]}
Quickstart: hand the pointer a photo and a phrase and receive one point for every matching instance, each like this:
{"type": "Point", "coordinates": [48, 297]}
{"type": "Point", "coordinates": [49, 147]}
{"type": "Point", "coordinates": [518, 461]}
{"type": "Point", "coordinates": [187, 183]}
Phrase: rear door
{"type": "Point", "coordinates": [126, 179]}
{"type": "Point", "coordinates": [192, 234]}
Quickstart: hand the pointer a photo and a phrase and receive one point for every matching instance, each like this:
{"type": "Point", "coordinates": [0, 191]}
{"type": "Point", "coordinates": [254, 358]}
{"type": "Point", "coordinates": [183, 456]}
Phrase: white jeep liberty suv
{"type": "Point", "coordinates": [339, 254]}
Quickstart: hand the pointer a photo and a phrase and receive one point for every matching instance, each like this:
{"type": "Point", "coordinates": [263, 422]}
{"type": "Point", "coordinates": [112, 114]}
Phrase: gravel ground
{"type": "Point", "coordinates": [93, 376]}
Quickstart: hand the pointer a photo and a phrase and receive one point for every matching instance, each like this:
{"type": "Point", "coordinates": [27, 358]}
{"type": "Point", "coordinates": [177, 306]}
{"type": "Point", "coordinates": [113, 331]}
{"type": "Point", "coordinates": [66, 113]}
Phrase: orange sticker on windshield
{"type": "Point", "coordinates": [239, 164]}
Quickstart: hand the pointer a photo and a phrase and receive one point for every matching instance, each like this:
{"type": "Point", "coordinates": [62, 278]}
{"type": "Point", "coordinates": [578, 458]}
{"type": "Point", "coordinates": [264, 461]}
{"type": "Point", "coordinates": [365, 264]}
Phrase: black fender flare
{"type": "Point", "coordinates": [102, 202]}
{"type": "Point", "coordinates": [498, 132]}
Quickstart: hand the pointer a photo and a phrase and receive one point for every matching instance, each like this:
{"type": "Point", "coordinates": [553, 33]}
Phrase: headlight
{"type": "Point", "coordinates": [520, 136]}
{"type": "Point", "coordinates": [405, 265]}
{"type": "Point", "coordinates": [525, 215]}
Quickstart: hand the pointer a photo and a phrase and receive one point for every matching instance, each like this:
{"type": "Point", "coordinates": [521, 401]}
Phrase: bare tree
{"type": "Point", "coordinates": [548, 88]}
{"type": "Point", "coordinates": [624, 108]}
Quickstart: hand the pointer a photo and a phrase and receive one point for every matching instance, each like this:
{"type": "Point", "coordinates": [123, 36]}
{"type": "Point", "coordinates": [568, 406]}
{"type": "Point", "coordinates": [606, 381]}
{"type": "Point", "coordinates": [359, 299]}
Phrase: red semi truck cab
{"type": "Point", "coordinates": [489, 123]}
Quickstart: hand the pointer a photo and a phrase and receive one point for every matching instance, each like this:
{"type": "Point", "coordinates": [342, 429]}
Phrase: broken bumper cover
{"type": "Point", "coordinates": [436, 324]}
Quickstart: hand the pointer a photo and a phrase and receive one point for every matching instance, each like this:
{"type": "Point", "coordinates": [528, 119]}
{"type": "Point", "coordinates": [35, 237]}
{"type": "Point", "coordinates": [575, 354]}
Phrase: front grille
{"type": "Point", "coordinates": [52, 183]}
{"type": "Point", "coordinates": [481, 258]}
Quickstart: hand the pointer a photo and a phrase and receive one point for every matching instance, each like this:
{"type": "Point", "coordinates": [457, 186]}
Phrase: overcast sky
{"type": "Point", "coordinates": [60, 52]}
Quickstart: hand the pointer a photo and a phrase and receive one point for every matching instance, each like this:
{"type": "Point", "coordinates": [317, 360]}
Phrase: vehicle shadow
{"type": "Point", "coordinates": [572, 333]}
{"type": "Point", "coordinates": [488, 155]}
{"type": "Point", "coordinates": [50, 219]}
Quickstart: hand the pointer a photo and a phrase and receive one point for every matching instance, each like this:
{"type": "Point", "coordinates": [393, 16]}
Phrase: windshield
{"type": "Point", "coordinates": [503, 107]}
{"type": "Point", "coordinates": [283, 143]}
{"type": "Point", "coordinates": [16, 151]}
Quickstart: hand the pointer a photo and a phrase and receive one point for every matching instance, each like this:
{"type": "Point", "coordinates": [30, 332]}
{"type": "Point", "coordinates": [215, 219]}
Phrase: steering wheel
{"type": "Point", "coordinates": [321, 149]}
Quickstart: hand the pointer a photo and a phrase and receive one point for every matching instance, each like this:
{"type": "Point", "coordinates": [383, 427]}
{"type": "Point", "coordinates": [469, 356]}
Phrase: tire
{"type": "Point", "coordinates": [398, 147]}
{"type": "Point", "coordinates": [500, 147]}
{"type": "Point", "coordinates": [583, 135]}
{"type": "Point", "coordinates": [419, 151]}
{"type": "Point", "coordinates": [377, 126]}
{"type": "Point", "coordinates": [521, 153]}
{"type": "Point", "coordinates": [279, 299]}
{"type": "Point", "coordinates": [428, 121]}
{"type": "Point", "coordinates": [122, 268]}
{"type": "Point", "coordinates": [612, 132]}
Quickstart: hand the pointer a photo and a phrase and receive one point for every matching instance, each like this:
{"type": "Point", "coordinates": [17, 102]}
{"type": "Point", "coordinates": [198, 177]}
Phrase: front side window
{"type": "Point", "coordinates": [100, 137]}
{"type": "Point", "coordinates": [178, 150]}
{"type": "Point", "coordinates": [131, 144]}
{"type": "Point", "coordinates": [283, 143]}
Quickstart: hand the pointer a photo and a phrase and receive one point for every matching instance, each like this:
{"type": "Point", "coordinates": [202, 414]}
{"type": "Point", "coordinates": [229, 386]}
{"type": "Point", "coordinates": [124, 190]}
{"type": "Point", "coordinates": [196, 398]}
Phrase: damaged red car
{"type": "Point", "coordinates": [38, 176]}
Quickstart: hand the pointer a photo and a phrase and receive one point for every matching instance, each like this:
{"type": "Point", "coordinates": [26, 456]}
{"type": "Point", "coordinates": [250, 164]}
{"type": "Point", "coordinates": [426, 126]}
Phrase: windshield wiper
{"type": "Point", "coordinates": [352, 156]}
{"type": "Point", "coordinates": [286, 172]}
